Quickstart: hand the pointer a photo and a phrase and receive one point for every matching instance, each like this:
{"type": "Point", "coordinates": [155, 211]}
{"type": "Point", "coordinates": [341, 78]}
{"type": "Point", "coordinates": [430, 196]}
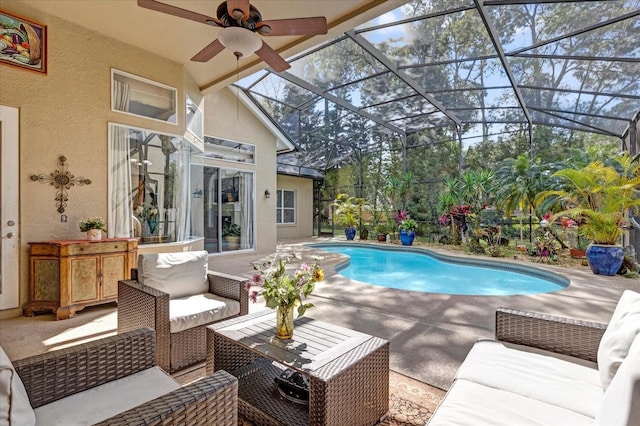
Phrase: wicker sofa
{"type": "Point", "coordinates": [542, 370]}
{"type": "Point", "coordinates": [110, 381]}
{"type": "Point", "coordinates": [178, 296]}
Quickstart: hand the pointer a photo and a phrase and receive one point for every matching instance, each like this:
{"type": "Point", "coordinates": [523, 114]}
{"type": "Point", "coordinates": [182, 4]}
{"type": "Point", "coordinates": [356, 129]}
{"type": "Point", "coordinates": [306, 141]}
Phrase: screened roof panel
{"type": "Point", "coordinates": [482, 67]}
{"type": "Point", "coordinates": [581, 102]}
{"type": "Point", "coordinates": [432, 39]}
{"type": "Point", "coordinates": [321, 69]}
{"type": "Point", "coordinates": [459, 75]}
{"type": "Point", "coordinates": [281, 90]}
{"type": "Point", "coordinates": [414, 124]}
{"type": "Point", "coordinates": [553, 20]}
{"type": "Point", "coordinates": [374, 90]}
{"type": "Point", "coordinates": [416, 9]}
{"type": "Point", "coordinates": [404, 107]}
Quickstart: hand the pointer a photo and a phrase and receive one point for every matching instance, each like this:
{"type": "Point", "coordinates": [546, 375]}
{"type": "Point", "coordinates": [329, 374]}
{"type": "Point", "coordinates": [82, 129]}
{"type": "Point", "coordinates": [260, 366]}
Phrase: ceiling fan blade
{"type": "Point", "coordinates": [177, 11]}
{"type": "Point", "coordinates": [272, 58]}
{"type": "Point", "coordinates": [242, 5]}
{"type": "Point", "coordinates": [211, 50]}
{"type": "Point", "coordinates": [295, 26]}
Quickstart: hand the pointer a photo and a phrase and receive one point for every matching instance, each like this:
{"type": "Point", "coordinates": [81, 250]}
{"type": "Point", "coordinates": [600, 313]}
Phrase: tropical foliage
{"type": "Point", "coordinates": [348, 210]}
{"type": "Point", "coordinates": [598, 196]}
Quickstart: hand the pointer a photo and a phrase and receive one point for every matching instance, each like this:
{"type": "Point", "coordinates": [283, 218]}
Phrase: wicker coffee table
{"type": "Point", "coordinates": [348, 370]}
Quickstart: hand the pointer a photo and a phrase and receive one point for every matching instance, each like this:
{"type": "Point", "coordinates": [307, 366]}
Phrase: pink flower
{"type": "Point", "coordinates": [257, 279]}
{"type": "Point", "coordinates": [253, 296]}
{"type": "Point", "coordinates": [247, 285]}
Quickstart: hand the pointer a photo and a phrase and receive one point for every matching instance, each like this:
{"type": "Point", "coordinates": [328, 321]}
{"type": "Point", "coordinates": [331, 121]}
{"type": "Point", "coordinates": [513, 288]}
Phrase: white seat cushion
{"type": "Point", "coordinates": [14, 401]}
{"type": "Point", "coordinates": [621, 403]}
{"type": "Point", "coordinates": [179, 274]}
{"type": "Point", "coordinates": [192, 311]}
{"type": "Point", "coordinates": [469, 403]}
{"type": "Point", "coordinates": [547, 379]}
{"type": "Point", "coordinates": [620, 333]}
{"type": "Point", "coordinates": [107, 400]}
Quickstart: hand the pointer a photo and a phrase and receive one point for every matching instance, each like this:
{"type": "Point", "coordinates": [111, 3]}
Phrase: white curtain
{"type": "Point", "coordinates": [119, 224]}
{"type": "Point", "coordinates": [121, 93]}
{"type": "Point", "coordinates": [246, 212]}
{"type": "Point", "coordinates": [183, 195]}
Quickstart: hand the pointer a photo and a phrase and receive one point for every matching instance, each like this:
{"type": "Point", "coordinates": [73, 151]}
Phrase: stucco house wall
{"type": "Point", "coordinates": [303, 188]}
{"type": "Point", "coordinates": [67, 112]}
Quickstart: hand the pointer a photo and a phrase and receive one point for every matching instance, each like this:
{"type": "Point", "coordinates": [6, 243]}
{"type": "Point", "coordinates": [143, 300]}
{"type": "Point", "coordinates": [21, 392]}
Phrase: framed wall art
{"type": "Point", "coordinates": [23, 42]}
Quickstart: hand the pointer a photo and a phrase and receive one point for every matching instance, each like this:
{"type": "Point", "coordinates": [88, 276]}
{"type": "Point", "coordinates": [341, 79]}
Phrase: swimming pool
{"type": "Point", "coordinates": [418, 269]}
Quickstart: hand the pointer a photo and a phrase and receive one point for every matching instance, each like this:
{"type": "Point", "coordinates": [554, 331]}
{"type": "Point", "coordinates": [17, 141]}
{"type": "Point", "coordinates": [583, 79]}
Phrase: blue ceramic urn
{"type": "Point", "coordinates": [604, 259]}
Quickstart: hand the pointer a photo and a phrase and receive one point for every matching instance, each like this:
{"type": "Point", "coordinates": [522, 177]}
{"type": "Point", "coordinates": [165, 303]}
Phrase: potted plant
{"type": "Point", "coordinates": [93, 227]}
{"type": "Point", "coordinates": [598, 196]}
{"type": "Point", "coordinates": [231, 234]}
{"type": "Point", "coordinates": [407, 227]}
{"type": "Point", "coordinates": [381, 232]}
{"type": "Point", "coordinates": [348, 212]}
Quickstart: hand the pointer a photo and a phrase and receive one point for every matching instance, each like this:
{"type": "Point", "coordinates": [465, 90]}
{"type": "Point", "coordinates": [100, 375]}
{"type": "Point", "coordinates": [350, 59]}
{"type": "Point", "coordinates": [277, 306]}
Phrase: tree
{"type": "Point", "coordinates": [516, 184]}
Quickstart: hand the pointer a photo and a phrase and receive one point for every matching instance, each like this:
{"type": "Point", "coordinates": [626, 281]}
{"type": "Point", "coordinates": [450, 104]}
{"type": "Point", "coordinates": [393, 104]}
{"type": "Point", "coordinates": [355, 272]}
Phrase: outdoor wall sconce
{"type": "Point", "coordinates": [62, 181]}
{"type": "Point", "coordinates": [267, 194]}
{"type": "Point", "coordinates": [197, 193]}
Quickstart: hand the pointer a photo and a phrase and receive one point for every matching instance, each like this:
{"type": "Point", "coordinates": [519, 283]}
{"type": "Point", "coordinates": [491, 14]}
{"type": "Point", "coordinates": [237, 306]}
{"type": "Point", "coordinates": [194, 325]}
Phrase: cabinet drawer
{"type": "Point", "coordinates": [97, 248]}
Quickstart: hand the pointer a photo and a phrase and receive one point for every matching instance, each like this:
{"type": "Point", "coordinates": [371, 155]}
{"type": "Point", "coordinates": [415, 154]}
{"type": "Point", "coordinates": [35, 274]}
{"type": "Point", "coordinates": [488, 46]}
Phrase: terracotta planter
{"type": "Point", "coordinates": [382, 238]}
{"type": "Point", "coordinates": [577, 253]}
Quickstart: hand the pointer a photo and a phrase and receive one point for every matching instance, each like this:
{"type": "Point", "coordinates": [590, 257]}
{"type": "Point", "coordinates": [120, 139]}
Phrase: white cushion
{"type": "Point", "coordinates": [620, 333]}
{"type": "Point", "coordinates": [469, 403]}
{"type": "Point", "coordinates": [621, 403]}
{"type": "Point", "coordinates": [192, 311]}
{"type": "Point", "coordinates": [14, 401]}
{"type": "Point", "coordinates": [107, 400]}
{"type": "Point", "coordinates": [179, 274]}
{"type": "Point", "coordinates": [547, 379]}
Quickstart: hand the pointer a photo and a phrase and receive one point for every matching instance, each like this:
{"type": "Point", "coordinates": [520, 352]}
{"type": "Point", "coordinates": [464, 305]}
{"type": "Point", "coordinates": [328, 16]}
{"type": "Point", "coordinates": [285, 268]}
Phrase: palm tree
{"type": "Point", "coordinates": [516, 184]}
{"type": "Point", "coordinates": [598, 196]}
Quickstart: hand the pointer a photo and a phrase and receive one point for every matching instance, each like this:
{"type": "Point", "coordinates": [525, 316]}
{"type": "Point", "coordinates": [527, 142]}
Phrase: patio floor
{"type": "Point", "coordinates": [430, 334]}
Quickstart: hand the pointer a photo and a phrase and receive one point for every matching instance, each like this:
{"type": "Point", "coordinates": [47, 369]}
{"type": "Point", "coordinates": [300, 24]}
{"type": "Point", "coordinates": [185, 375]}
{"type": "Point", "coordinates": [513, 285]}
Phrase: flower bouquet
{"type": "Point", "coordinates": [283, 291]}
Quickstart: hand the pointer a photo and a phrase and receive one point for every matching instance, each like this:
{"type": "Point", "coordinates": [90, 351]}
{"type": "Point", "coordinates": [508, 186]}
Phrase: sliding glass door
{"type": "Point", "coordinates": [222, 208]}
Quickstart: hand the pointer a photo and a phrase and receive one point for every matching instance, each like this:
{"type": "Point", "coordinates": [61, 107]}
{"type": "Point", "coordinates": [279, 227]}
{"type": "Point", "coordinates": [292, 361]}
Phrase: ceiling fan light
{"type": "Point", "coordinates": [239, 40]}
{"type": "Point", "coordinates": [264, 29]}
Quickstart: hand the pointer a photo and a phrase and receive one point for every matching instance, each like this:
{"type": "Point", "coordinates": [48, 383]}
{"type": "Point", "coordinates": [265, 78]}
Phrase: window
{"type": "Point", "coordinates": [147, 192]}
{"type": "Point", "coordinates": [194, 120]}
{"type": "Point", "coordinates": [138, 96]}
{"type": "Point", "coordinates": [286, 207]}
{"type": "Point", "coordinates": [229, 150]}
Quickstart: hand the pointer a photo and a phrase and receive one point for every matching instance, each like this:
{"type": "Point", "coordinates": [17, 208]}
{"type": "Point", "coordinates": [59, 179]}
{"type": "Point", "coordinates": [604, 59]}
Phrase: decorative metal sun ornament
{"type": "Point", "coordinates": [62, 180]}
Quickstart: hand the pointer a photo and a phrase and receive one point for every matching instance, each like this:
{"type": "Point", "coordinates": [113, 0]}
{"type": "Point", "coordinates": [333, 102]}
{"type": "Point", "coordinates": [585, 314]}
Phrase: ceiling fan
{"type": "Point", "coordinates": [241, 23]}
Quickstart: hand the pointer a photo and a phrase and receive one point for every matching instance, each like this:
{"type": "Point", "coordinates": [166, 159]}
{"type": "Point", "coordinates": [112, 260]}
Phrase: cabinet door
{"type": "Point", "coordinates": [114, 268]}
{"type": "Point", "coordinates": [84, 279]}
{"type": "Point", "coordinates": [45, 276]}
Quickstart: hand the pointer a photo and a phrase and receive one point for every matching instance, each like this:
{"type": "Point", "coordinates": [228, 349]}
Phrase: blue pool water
{"type": "Point", "coordinates": [427, 272]}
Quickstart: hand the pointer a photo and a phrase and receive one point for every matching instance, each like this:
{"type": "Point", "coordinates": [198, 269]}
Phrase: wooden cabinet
{"type": "Point", "coordinates": [66, 276]}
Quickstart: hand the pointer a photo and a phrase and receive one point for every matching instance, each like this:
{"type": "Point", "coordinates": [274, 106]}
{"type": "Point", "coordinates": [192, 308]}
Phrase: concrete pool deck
{"type": "Point", "coordinates": [430, 334]}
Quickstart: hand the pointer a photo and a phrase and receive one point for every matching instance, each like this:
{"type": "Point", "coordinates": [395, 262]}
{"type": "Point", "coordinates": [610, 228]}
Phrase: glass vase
{"type": "Point", "coordinates": [284, 322]}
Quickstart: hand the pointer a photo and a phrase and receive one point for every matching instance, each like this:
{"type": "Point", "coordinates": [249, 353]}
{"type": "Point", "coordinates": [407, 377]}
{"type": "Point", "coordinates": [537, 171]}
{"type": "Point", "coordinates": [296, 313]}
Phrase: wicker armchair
{"type": "Point", "coordinates": [140, 305]}
{"type": "Point", "coordinates": [58, 374]}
